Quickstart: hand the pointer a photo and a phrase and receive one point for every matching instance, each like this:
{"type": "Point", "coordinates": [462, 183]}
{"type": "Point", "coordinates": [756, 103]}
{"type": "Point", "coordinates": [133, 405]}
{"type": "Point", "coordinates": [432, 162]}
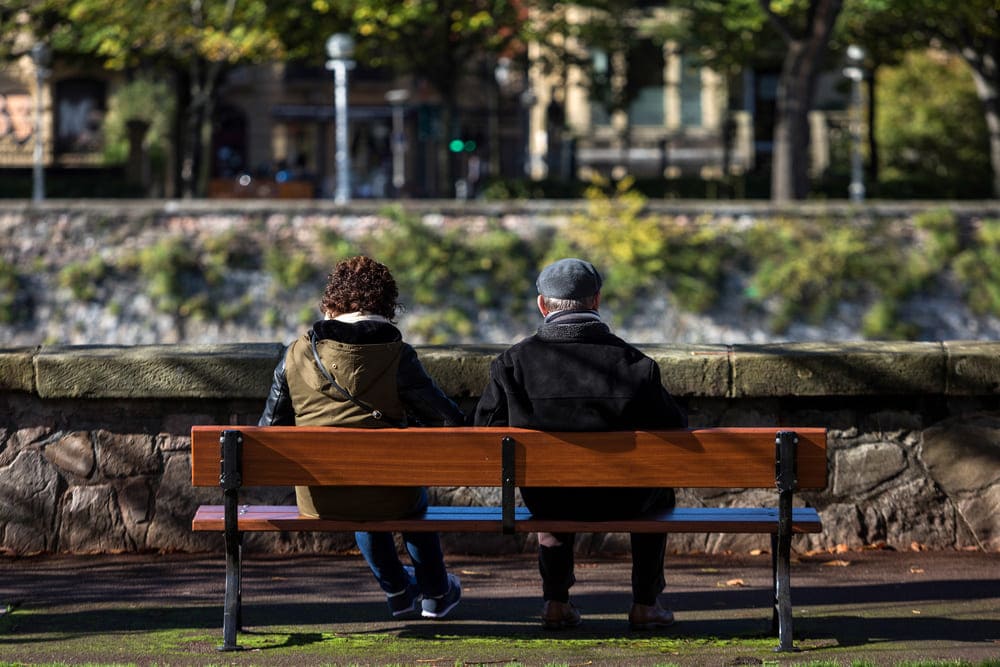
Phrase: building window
{"type": "Point", "coordinates": [601, 88]}
{"type": "Point", "coordinates": [80, 106]}
{"type": "Point", "coordinates": [690, 93]}
{"type": "Point", "coordinates": [645, 85]}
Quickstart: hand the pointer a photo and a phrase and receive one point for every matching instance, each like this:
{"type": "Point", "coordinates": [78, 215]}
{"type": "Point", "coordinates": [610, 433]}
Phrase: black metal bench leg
{"type": "Point", "coordinates": [774, 585]}
{"type": "Point", "coordinates": [232, 620]}
{"type": "Point", "coordinates": [787, 482]}
{"type": "Point", "coordinates": [230, 479]}
{"type": "Point", "coordinates": [783, 575]}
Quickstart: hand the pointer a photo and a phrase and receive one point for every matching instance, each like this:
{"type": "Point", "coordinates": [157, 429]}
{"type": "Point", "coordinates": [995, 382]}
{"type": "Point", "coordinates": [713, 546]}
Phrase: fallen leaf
{"type": "Point", "coordinates": [842, 549]}
{"type": "Point", "coordinates": [916, 611]}
{"type": "Point", "coordinates": [733, 583]}
{"type": "Point", "coordinates": [916, 570]}
{"type": "Point", "coordinates": [757, 552]}
{"type": "Point", "coordinates": [837, 563]}
{"type": "Point", "coordinates": [917, 546]}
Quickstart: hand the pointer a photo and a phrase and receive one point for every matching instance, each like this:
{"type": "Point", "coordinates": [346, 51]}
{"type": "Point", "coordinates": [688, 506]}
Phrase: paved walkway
{"type": "Point", "coordinates": [883, 607]}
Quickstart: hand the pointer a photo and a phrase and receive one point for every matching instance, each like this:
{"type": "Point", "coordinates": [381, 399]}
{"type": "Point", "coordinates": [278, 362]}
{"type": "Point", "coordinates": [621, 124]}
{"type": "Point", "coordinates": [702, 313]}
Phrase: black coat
{"type": "Point", "coordinates": [578, 376]}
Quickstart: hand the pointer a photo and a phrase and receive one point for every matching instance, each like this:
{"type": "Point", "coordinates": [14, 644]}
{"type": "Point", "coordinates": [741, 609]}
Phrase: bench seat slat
{"type": "Point", "coordinates": [488, 519]}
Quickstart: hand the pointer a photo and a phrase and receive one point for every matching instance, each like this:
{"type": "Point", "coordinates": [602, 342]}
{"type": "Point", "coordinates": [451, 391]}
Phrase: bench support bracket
{"type": "Point", "coordinates": [230, 479]}
{"type": "Point", "coordinates": [507, 462]}
{"type": "Point", "coordinates": [781, 543]}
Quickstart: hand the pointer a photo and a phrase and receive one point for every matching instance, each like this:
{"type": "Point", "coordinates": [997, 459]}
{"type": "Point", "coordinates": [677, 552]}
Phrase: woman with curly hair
{"type": "Point", "coordinates": [352, 368]}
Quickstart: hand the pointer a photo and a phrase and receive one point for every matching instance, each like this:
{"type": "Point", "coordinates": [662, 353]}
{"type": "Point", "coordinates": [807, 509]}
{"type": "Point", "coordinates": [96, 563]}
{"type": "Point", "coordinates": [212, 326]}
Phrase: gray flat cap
{"type": "Point", "coordinates": [569, 278]}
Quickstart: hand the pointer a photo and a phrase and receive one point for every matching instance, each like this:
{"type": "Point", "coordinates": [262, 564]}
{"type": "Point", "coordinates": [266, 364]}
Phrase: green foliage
{"type": "Point", "coordinates": [187, 276]}
{"type": "Point", "coordinates": [441, 327]}
{"type": "Point", "coordinates": [978, 267]}
{"type": "Point", "coordinates": [82, 278]}
{"type": "Point", "coordinates": [123, 32]}
{"type": "Point", "coordinates": [615, 234]}
{"type": "Point", "coordinates": [807, 268]}
{"type": "Point", "coordinates": [492, 268]}
{"type": "Point", "coordinates": [810, 266]}
{"type": "Point", "coordinates": [931, 130]}
{"type": "Point", "coordinates": [334, 248]}
{"type": "Point", "coordinates": [638, 252]}
{"type": "Point", "coordinates": [289, 267]}
{"type": "Point", "coordinates": [171, 271]}
{"type": "Point", "coordinates": [146, 100]}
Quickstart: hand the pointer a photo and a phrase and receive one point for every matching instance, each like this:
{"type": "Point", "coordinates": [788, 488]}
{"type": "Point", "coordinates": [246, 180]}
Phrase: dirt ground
{"type": "Point", "coordinates": [881, 607]}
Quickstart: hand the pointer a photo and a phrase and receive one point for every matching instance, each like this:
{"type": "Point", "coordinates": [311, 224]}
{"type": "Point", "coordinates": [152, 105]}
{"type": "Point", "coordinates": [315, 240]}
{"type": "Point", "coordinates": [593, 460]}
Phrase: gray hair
{"type": "Point", "coordinates": [555, 305]}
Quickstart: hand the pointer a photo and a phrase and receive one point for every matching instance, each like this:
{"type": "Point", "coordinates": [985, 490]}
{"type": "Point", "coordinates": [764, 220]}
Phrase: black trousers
{"type": "Point", "coordinates": [556, 563]}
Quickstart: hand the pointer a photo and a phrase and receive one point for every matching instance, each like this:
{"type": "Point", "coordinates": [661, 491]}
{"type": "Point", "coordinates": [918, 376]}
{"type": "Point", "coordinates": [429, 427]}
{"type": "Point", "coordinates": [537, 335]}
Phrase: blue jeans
{"type": "Point", "coordinates": [379, 549]}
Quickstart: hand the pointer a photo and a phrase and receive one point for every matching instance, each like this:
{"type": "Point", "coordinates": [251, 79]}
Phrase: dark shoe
{"type": "Point", "coordinates": [440, 606]}
{"type": "Point", "coordinates": [558, 615]}
{"type": "Point", "coordinates": [649, 617]}
{"type": "Point", "coordinates": [405, 601]}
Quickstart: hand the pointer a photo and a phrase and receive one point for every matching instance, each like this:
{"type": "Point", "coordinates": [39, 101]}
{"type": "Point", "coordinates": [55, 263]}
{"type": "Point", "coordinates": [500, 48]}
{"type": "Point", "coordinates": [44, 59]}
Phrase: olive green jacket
{"type": "Point", "coordinates": [370, 361]}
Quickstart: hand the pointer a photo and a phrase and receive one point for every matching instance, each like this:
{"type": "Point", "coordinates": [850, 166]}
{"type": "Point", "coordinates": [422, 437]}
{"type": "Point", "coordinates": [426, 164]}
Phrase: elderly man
{"type": "Point", "coordinates": [573, 374]}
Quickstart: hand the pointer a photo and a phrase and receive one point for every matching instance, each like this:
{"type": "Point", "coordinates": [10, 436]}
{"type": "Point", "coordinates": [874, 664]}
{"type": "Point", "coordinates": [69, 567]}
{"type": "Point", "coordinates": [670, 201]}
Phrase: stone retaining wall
{"type": "Point", "coordinates": [94, 447]}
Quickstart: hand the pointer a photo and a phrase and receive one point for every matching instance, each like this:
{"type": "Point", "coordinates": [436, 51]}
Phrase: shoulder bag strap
{"type": "Point", "coordinates": [375, 412]}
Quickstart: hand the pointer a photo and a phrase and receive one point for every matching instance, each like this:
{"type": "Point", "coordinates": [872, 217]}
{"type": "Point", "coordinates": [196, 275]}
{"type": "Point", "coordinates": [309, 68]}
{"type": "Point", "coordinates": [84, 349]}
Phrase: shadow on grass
{"type": "Point", "coordinates": [717, 616]}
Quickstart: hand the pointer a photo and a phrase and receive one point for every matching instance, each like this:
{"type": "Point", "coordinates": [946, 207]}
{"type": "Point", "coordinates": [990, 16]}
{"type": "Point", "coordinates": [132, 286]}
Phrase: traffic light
{"type": "Point", "coordinates": [462, 145]}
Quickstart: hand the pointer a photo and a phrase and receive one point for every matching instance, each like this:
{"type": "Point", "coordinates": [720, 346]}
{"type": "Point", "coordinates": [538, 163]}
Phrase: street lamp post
{"type": "Point", "coordinates": [397, 98]}
{"type": "Point", "coordinates": [40, 55]}
{"type": "Point", "coordinates": [340, 49]}
{"type": "Point", "coordinates": [854, 72]}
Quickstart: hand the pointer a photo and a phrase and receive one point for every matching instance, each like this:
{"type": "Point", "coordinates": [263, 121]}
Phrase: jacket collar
{"type": "Point", "coordinates": [363, 332]}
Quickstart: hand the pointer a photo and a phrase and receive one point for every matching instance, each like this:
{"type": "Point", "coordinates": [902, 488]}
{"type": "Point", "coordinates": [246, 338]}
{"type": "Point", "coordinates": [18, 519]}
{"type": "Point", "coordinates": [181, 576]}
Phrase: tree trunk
{"type": "Point", "coordinates": [790, 167]}
{"type": "Point", "coordinates": [987, 81]}
{"type": "Point", "coordinates": [796, 88]}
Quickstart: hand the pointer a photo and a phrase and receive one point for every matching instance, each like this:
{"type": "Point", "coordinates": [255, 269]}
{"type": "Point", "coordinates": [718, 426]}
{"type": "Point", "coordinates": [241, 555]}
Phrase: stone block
{"type": "Point", "coordinates": [126, 454]}
{"type": "Point", "coordinates": [963, 454]}
{"type": "Point", "coordinates": [860, 470]}
{"type": "Point", "coordinates": [157, 371]}
{"type": "Point", "coordinates": [693, 370]}
{"type": "Point", "coordinates": [134, 497]}
{"type": "Point", "coordinates": [973, 368]}
{"type": "Point", "coordinates": [17, 372]}
{"type": "Point", "coordinates": [29, 493]}
{"type": "Point", "coordinates": [73, 453]}
{"type": "Point", "coordinates": [912, 512]}
{"type": "Point", "coordinates": [981, 514]}
{"type": "Point", "coordinates": [174, 505]}
{"type": "Point", "coordinates": [838, 369]}
{"type": "Point", "coordinates": [90, 522]}
{"type": "Point", "coordinates": [16, 439]}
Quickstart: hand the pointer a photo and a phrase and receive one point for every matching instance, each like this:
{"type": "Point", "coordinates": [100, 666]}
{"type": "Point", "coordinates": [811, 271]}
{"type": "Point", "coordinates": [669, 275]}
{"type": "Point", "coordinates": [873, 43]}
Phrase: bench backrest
{"type": "Point", "coordinates": [472, 456]}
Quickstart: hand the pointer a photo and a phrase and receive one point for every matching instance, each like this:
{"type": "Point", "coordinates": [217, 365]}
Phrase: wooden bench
{"type": "Point", "coordinates": [246, 456]}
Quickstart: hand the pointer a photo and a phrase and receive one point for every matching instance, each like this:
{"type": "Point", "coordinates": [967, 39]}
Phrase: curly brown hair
{"type": "Point", "coordinates": [360, 284]}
